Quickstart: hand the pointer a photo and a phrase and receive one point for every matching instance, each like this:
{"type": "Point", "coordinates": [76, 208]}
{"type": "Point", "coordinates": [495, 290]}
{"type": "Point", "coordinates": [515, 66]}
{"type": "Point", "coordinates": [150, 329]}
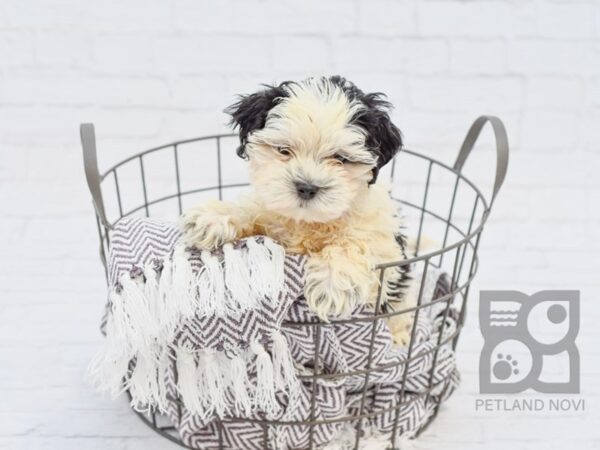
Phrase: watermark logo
{"type": "Point", "coordinates": [529, 342]}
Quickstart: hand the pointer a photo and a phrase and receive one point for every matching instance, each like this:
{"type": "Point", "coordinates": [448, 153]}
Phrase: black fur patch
{"type": "Point", "coordinates": [383, 137]}
{"type": "Point", "coordinates": [249, 113]}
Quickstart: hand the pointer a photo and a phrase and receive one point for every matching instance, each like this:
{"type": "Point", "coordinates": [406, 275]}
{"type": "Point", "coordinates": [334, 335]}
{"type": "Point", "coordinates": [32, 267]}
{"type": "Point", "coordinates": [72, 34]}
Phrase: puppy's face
{"type": "Point", "coordinates": [309, 162]}
{"type": "Point", "coordinates": [313, 153]}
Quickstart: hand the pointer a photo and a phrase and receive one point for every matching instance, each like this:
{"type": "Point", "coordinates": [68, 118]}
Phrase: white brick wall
{"type": "Point", "coordinates": [150, 71]}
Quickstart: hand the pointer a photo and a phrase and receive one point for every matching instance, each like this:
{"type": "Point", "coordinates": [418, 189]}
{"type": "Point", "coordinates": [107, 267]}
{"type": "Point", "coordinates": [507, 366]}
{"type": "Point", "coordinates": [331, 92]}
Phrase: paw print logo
{"type": "Point", "coordinates": [505, 367]}
{"type": "Point", "coordinates": [522, 334]}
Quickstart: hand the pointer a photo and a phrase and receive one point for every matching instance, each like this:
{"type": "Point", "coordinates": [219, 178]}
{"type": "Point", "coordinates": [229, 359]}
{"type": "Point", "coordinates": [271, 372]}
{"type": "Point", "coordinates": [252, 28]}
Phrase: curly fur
{"type": "Point", "coordinates": [327, 134]}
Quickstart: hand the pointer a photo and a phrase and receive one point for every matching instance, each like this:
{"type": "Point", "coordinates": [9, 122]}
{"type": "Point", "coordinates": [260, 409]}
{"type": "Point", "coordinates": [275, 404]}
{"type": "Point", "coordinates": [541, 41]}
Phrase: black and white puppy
{"type": "Point", "coordinates": [315, 148]}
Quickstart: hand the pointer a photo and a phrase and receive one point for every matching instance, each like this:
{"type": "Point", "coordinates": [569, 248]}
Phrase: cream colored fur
{"type": "Point", "coordinates": [345, 230]}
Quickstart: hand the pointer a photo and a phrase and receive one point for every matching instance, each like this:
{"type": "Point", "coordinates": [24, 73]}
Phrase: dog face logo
{"type": "Point", "coordinates": [526, 339]}
{"type": "Point", "coordinates": [314, 146]}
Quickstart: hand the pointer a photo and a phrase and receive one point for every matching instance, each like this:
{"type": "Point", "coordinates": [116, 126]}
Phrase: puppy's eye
{"type": "Point", "coordinates": [285, 151]}
{"type": "Point", "coordinates": [340, 158]}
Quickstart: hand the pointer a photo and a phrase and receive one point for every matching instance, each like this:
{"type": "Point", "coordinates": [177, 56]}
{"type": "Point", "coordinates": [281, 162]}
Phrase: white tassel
{"type": "Point", "coordinates": [261, 268]}
{"type": "Point", "coordinates": [187, 384]}
{"type": "Point", "coordinates": [214, 280]}
{"type": "Point", "coordinates": [168, 305]}
{"type": "Point", "coordinates": [214, 384]}
{"type": "Point", "coordinates": [207, 302]}
{"type": "Point", "coordinates": [147, 384]}
{"type": "Point", "coordinates": [164, 366]}
{"type": "Point", "coordinates": [276, 274]}
{"type": "Point", "coordinates": [264, 394]}
{"type": "Point", "coordinates": [151, 291]}
{"type": "Point", "coordinates": [110, 365]}
{"type": "Point", "coordinates": [143, 384]}
{"type": "Point", "coordinates": [283, 365]}
{"type": "Point", "coordinates": [237, 278]}
{"type": "Point", "coordinates": [163, 317]}
{"type": "Point", "coordinates": [137, 311]}
{"type": "Point", "coordinates": [183, 282]}
{"type": "Point", "coordinates": [239, 385]}
{"type": "Point", "coordinates": [120, 327]}
{"type": "Point", "coordinates": [204, 390]}
{"type": "Point", "coordinates": [146, 325]}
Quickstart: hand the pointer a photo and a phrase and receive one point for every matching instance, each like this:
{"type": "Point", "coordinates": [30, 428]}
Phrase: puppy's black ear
{"type": "Point", "coordinates": [249, 113]}
{"type": "Point", "coordinates": [383, 137]}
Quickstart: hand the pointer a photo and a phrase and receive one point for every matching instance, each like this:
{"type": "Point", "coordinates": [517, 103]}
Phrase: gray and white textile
{"type": "Point", "coordinates": [199, 335]}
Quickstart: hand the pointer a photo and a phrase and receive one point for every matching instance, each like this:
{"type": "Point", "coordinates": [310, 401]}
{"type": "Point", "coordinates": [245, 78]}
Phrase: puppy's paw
{"type": "Point", "coordinates": [333, 292]}
{"type": "Point", "coordinates": [401, 328]}
{"type": "Point", "coordinates": [209, 226]}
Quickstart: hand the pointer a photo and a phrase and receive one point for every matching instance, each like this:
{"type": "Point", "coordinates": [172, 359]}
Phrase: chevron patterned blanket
{"type": "Point", "coordinates": [200, 335]}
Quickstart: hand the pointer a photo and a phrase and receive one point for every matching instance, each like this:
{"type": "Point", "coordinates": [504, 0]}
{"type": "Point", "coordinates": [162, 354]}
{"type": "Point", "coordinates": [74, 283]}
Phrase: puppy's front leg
{"type": "Point", "coordinates": [215, 223]}
{"type": "Point", "coordinates": [338, 279]}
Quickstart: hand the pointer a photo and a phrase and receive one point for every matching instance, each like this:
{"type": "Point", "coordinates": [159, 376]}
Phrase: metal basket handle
{"type": "Point", "coordinates": [90, 163]}
{"type": "Point", "coordinates": [501, 149]}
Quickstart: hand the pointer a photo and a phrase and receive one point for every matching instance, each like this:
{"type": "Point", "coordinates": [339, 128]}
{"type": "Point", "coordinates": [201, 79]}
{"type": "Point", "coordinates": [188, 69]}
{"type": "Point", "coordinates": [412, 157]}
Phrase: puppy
{"type": "Point", "coordinates": [315, 148]}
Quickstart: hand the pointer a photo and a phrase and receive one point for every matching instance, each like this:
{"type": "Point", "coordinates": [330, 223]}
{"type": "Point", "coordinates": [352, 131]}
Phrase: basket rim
{"type": "Point", "coordinates": [466, 237]}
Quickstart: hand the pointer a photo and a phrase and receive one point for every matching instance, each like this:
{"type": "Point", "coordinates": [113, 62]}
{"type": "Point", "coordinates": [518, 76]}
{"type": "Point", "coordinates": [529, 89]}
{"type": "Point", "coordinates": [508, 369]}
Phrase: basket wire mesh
{"type": "Point", "coordinates": [459, 233]}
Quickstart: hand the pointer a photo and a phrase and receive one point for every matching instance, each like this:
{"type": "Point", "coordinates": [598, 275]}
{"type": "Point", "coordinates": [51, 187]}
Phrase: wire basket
{"type": "Point", "coordinates": [441, 206]}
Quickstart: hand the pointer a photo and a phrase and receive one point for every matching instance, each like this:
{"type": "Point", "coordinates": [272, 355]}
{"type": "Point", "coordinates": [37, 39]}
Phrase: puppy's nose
{"type": "Point", "coordinates": [306, 191]}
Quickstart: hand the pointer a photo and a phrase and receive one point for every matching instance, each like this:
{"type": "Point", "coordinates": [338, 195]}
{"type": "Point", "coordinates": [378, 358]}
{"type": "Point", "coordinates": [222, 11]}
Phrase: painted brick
{"type": "Point", "coordinates": [486, 57]}
{"type": "Point", "coordinates": [444, 93]}
{"type": "Point", "coordinates": [17, 47]}
{"type": "Point", "coordinates": [147, 72]}
{"type": "Point", "coordinates": [476, 19]}
{"type": "Point", "coordinates": [387, 17]}
{"type": "Point", "coordinates": [567, 19]}
{"type": "Point", "coordinates": [309, 54]}
{"type": "Point", "coordinates": [552, 57]}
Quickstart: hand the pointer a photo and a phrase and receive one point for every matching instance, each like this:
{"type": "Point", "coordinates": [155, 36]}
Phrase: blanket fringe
{"type": "Point", "coordinates": [182, 283]}
{"type": "Point", "coordinates": [147, 385]}
{"type": "Point", "coordinates": [206, 297]}
{"type": "Point", "coordinates": [237, 278]}
{"type": "Point", "coordinates": [168, 306]}
{"type": "Point", "coordinates": [107, 368]}
{"type": "Point", "coordinates": [214, 296]}
{"type": "Point", "coordinates": [264, 395]}
{"type": "Point", "coordinates": [149, 304]}
{"type": "Point", "coordinates": [283, 365]}
{"type": "Point", "coordinates": [276, 272]}
{"type": "Point", "coordinates": [212, 383]}
{"type": "Point", "coordinates": [212, 379]}
{"type": "Point", "coordinates": [266, 265]}
{"type": "Point", "coordinates": [240, 385]}
{"type": "Point", "coordinates": [135, 306]}
{"type": "Point", "coordinates": [187, 385]}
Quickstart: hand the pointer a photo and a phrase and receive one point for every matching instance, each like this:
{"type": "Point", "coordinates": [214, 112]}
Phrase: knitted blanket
{"type": "Point", "coordinates": [198, 335]}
